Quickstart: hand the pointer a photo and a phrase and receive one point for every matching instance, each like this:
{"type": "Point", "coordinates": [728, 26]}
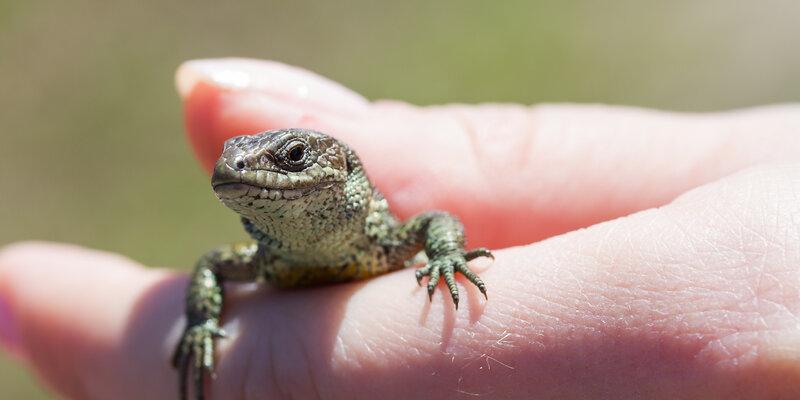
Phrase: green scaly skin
{"type": "Point", "coordinates": [315, 218]}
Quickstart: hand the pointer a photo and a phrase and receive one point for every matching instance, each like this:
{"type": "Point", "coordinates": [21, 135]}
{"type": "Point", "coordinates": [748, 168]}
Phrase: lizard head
{"type": "Point", "coordinates": [282, 176]}
{"type": "Point", "coordinates": [282, 165]}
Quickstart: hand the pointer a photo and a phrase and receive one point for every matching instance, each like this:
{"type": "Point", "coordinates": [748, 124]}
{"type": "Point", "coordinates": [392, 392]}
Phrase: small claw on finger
{"type": "Point", "coordinates": [479, 252]}
{"type": "Point", "coordinates": [431, 288]}
{"type": "Point", "coordinates": [177, 356]}
{"type": "Point", "coordinates": [450, 280]}
{"type": "Point", "coordinates": [422, 272]}
{"type": "Point", "coordinates": [199, 385]}
{"type": "Point", "coordinates": [183, 377]}
{"type": "Point", "coordinates": [433, 281]}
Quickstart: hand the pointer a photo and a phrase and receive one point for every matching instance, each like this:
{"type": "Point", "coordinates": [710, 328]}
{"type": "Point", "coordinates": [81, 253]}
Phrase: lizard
{"type": "Point", "coordinates": [314, 218]}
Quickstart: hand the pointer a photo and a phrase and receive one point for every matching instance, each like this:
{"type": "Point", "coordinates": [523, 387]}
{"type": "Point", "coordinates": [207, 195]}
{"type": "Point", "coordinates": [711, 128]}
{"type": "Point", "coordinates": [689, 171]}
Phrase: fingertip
{"type": "Point", "coordinates": [47, 284]}
{"type": "Point", "coordinates": [67, 312]}
{"type": "Point", "coordinates": [269, 77]}
{"type": "Point", "coordinates": [234, 96]}
{"type": "Point", "coordinates": [10, 337]}
{"type": "Point", "coordinates": [201, 108]}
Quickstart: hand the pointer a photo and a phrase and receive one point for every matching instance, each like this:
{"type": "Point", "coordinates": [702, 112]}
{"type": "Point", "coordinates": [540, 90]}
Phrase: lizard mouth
{"type": "Point", "coordinates": [235, 184]}
{"type": "Point", "coordinates": [237, 190]}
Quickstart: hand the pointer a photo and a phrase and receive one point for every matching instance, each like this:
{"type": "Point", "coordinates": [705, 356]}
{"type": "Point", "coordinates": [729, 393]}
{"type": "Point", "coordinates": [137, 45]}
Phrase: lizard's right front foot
{"type": "Point", "coordinates": [195, 355]}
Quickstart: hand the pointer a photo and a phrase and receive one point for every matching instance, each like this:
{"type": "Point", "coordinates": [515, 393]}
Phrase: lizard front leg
{"type": "Point", "coordinates": [443, 238]}
{"type": "Point", "coordinates": [204, 300]}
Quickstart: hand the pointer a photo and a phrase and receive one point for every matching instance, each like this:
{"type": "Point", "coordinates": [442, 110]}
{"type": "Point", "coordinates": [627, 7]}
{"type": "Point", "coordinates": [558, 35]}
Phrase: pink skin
{"type": "Point", "coordinates": [696, 299]}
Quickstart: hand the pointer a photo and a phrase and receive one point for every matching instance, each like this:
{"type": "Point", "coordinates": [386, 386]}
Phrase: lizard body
{"type": "Point", "coordinates": [315, 218]}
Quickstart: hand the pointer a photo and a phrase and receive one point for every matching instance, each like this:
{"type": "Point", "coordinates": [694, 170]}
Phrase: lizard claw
{"type": "Point", "coordinates": [446, 265]}
{"type": "Point", "coordinates": [479, 252]}
{"type": "Point", "coordinates": [424, 271]}
{"type": "Point", "coordinates": [194, 356]}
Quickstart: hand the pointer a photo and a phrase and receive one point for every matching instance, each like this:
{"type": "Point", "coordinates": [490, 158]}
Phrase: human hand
{"type": "Point", "coordinates": [697, 299]}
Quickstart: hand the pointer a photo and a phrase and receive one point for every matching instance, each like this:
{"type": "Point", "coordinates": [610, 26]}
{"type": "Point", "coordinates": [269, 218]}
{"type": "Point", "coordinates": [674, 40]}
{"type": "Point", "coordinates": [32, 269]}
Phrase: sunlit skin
{"type": "Point", "coordinates": [696, 299]}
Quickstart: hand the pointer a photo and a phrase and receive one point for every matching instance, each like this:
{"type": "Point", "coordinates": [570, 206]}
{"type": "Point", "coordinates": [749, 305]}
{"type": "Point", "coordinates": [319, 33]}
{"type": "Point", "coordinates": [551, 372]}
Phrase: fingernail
{"type": "Point", "coordinates": [284, 82]}
{"type": "Point", "coordinates": [9, 333]}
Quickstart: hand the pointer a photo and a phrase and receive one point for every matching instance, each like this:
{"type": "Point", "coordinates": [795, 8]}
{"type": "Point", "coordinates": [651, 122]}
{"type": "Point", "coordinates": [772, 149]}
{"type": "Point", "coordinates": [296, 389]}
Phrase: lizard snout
{"type": "Point", "coordinates": [227, 181]}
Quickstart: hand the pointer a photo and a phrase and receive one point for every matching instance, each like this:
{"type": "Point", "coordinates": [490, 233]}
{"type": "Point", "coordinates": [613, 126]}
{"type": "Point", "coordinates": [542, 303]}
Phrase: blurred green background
{"type": "Point", "coordinates": [92, 148]}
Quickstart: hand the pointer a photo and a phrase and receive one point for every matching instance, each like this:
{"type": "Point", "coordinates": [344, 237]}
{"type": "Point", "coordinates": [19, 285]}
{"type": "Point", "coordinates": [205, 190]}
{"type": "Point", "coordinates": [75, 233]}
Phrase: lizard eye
{"type": "Point", "coordinates": [296, 153]}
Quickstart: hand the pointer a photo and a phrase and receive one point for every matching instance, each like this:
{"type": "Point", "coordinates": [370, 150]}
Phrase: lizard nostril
{"type": "Point", "coordinates": [240, 164]}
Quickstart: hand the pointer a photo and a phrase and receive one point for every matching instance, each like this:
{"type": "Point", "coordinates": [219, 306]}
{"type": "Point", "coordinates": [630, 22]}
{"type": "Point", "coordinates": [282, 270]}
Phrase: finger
{"type": "Point", "coordinates": [92, 325]}
{"type": "Point", "coordinates": [698, 299]}
{"type": "Point", "coordinates": [513, 174]}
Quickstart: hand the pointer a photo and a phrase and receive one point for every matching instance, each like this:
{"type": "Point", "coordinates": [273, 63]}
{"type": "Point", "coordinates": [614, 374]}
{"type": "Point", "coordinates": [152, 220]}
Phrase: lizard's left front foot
{"type": "Point", "coordinates": [447, 265]}
{"type": "Point", "coordinates": [195, 355]}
